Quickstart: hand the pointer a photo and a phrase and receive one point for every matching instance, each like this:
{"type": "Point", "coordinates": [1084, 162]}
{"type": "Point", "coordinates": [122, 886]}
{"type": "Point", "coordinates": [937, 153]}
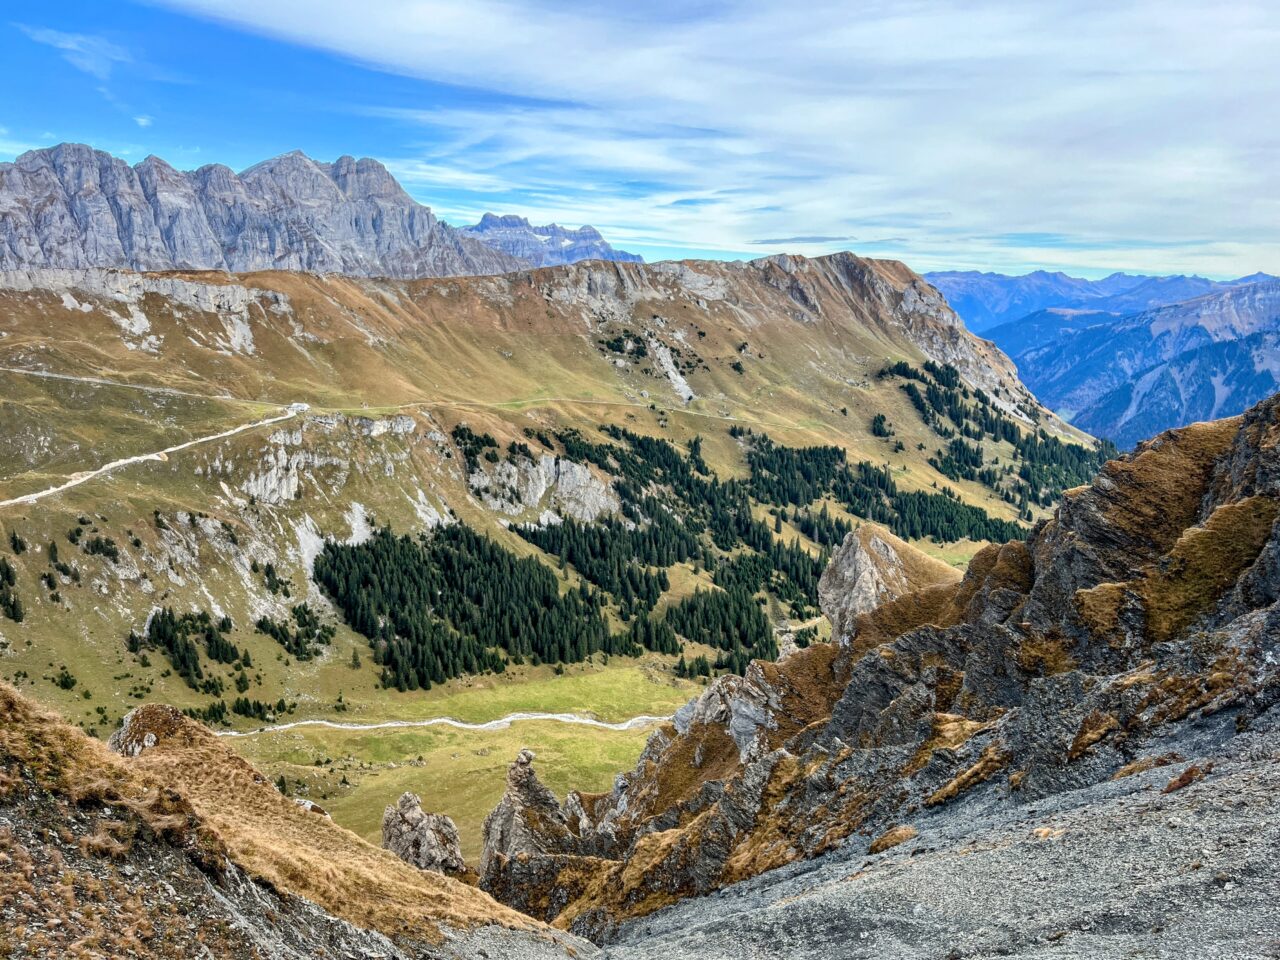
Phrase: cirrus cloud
{"type": "Point", "coordinates": [1131, 127]}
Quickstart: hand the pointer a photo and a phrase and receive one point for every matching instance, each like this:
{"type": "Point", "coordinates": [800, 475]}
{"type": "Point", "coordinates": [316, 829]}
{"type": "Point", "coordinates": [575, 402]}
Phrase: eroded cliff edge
{"type": "Point", "coordinates": [1136, 629]}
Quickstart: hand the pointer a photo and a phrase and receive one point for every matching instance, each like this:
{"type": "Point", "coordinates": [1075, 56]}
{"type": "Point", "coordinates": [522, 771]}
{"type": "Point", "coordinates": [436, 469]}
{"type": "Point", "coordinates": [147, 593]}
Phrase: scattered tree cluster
{"type": "Point", "coordinates": [179, 637]}
{"type": "Point", "coordinates": [302, 635]}
{"type": "Point", "coordinates": [799, 475]}
{"type": "Point", "coordinates": [455, 602]}
{"type": "Point", "coordinates": [474, 445]}
{"type": "Point", "coordinates": [1044, 465]}
{"type": "Point", "coordinates": [10, 602]}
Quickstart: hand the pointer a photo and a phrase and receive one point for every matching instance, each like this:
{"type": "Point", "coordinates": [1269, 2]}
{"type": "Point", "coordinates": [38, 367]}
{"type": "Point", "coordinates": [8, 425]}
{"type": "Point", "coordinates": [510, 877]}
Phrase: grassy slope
{"type": "Point", "coordinates": [442, 352]}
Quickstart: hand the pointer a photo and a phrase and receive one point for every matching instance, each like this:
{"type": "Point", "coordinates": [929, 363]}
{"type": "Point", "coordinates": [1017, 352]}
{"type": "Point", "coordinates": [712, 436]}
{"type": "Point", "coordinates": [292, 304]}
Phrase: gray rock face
{"type": "Point", "coordinates": [742, 705]}
{"type": "Point", "coordinates": [1118, 869]}
{"type": "Point", "coordinates": [545, 246]}
{"type": "Point", "coordinates": [72, 206]}
{"type": "Point", "coordinates": [856, 580]}
{"type": "Point", "coordinates": [428, 841]}
{"type": "Point", "coordinates": [565, 488]}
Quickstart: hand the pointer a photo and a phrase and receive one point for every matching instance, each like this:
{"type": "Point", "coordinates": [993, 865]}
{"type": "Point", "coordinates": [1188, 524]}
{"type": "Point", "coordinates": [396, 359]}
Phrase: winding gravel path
{"type": "Point", "coordinates": [86, 476]}
{"type": "Point", "coordinates": [500, 724]}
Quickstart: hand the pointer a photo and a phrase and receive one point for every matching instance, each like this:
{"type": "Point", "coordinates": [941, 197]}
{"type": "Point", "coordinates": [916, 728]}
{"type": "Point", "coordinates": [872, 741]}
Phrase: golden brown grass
{"type": "Point", "coordinates": [1092, 729]}
{"type": "Point", "coordinates": [949, 731]}
{"type": "Point", "coordinates": [1204, 562]}
{"type": "Point", "coordinates": [992, 761]}
{"type": "Point", "coordinates": [64, 761]}
{"type": "Point", "coordinates": [192, 788]}
{"type": "Point", "coordinates": [274, 839]}
{"type": "Point", "coordinates": [1156, 494]}
{"type": "Point", "coordinates": [892, 838]}
{"type": "Point", "coordinates": [1145, 764]}
{"type": "Point", "coordinates": [1045, 656]}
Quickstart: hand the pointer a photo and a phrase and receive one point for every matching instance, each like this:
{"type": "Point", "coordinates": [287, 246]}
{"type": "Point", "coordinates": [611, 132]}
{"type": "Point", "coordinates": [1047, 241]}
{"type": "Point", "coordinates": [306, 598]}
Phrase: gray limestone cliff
{"type": "Point", "coordinates": [71, 206]}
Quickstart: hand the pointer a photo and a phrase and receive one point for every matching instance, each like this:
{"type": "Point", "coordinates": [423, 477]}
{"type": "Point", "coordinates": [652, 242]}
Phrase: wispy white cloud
{"type": "Point", "coordinates": [94, 55]}
{"type": "Point", "coordinates": [1082, 133]}
{"type": "Point", "coordinates": [143, 120]}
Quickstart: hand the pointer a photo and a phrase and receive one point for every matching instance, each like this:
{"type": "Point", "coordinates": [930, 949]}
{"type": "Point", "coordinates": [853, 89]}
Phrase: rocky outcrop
{"type": "Point", "coordinates": [544, 246]}
{"type": "Point", "coordinates": [870, 567]}
{"type": "Point", "coordinates": [1140, 623]}
{"type": "Point", "coordinates": [73, 207]}
{"type": "Point", "coordinates": [428, 841]}
{"type": "Point", "coordinates": [558, 486]}
{"type": "Point", "coordinates": [528, 820]}
{"type": "Point", "coordinates": [145, 727]}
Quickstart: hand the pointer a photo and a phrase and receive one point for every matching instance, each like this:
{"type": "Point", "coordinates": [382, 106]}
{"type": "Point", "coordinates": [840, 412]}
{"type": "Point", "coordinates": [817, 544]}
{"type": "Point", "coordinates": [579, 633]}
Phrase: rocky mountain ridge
{"type": "Point", "coordinates": [71, 206]}
{"type": "Point", "coordinates": [545, 246]}
{"type": "Point", "coordinates": [1136, 629]}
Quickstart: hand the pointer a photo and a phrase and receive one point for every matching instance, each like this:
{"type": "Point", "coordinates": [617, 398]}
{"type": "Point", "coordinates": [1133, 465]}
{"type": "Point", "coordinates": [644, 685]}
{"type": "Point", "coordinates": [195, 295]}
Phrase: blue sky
{"type": "Point", "coordinates": [1086, 136]}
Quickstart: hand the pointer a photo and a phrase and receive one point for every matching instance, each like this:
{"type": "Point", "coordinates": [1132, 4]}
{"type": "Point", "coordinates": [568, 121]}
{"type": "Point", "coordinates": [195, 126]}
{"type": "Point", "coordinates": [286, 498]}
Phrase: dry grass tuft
{"type": "Point", "coordinates": [1187, 777]}
{"type": "Point", "coordinates": [1045, 656]}
{"type": "Point", "coordinates": [1145, 764]}
{"type": "Point", "coordinates": [112, 838]}
{"type": "Point", "coordinates": [949, 732]}
{"type": "Point", "coordinates": [1092, 729]}
{"type": "Point", "coordinates": [992, 761]}
{"type": "Point", "coordinates": [892, 838]}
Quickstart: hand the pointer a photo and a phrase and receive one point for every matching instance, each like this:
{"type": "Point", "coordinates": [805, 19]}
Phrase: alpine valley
{"type": "Point", "coordinates": [371, 587]}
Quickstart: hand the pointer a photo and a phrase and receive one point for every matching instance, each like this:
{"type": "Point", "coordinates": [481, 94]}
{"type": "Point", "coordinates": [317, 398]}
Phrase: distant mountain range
{"type": "Point", "coordinates": [547, 246]}
{"type": "Point", "coordinates": [1128, 377]}
{"type": "Point", "coordinates": [72, 206]}
{"type": "Point", "coordinates": [987, 300]}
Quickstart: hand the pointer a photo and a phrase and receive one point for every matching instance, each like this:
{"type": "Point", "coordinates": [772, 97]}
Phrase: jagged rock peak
{"type": "Point", "coordinates": [528, 819]}
{"type": "Point", "coordinates": [428, 841]}
{"type": "Point", "coordinates": [548, 245]}
{"type": "Point", "coordinates": [72, 206]}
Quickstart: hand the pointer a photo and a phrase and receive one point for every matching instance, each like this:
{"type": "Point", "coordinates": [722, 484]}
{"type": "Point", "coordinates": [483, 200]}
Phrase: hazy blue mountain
{"type": "Point", "coordinates": [1129, 377]}
{"type": "Point", "coordinates": [989, 300]}
{"type": "Point", "coordinates": [1204, 383]}
{"type": "Point", "coordinates": [1045, 326]}
{"type": "Point", "coordinates": [545, 246]}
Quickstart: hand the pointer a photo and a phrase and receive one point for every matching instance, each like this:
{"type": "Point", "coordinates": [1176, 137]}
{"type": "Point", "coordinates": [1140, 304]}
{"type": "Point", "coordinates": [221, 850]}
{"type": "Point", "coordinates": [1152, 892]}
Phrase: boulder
{"type": "Point", "coordinates": [428, 841]}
